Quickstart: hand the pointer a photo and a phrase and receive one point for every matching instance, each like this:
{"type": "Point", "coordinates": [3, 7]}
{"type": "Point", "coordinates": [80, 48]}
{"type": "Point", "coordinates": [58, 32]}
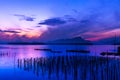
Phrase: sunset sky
{"type": "Point", "coordinates": [46, 20]}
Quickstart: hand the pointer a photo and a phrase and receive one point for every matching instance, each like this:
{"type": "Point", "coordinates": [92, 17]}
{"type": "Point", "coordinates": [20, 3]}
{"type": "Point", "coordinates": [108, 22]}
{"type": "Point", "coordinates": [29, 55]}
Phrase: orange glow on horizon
{"type": "Point", "coordinates": [33, 33]}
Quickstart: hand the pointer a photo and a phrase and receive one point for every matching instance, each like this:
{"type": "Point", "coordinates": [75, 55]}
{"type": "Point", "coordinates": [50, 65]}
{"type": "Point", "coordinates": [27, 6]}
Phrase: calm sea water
{"type": "Point", "coordinates": [23, 62]}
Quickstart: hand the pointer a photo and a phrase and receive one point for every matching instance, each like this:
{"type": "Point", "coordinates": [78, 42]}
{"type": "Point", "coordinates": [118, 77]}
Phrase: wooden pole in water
{"type": "Point", "coordinates": [118, 50]}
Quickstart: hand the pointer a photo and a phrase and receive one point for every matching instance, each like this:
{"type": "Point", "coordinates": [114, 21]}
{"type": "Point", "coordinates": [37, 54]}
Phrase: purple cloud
{"type": "Point", "coordinates": [9, 31]}
{"type": "Point", "coordinates": [53, 22]}
{"type": "Point", "coordinates": [73, 27]}
{"type": "Point", "coordinates": [24, 17]}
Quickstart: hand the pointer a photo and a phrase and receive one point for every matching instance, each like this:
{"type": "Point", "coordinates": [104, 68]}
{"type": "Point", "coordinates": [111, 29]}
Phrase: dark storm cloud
{"type": "Point", "coordinates": [24, 17]}
{"type": "Point", "coordinates": [53, 22]}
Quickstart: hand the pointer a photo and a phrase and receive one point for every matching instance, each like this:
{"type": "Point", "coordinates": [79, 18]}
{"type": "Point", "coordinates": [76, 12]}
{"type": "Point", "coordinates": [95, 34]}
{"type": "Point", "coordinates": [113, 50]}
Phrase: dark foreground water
{"type": "Point", "coordinates": [23, 62]}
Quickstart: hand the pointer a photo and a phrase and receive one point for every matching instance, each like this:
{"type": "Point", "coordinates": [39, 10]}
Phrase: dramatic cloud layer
{"type": "Point", "coordinates": [59, 19]}
{"type": "Point", "coordinates": [91, 27]}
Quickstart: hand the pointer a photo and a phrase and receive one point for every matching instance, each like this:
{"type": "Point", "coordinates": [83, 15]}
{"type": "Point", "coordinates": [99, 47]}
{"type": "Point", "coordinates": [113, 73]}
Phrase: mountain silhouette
{"type": "Point", "coordinates": [76, 40]}
{"type": "Point", "coordinates": [69, 41]}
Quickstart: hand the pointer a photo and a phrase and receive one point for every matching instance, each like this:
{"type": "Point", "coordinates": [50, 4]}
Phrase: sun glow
{"type": "Point", "coordinates": [30, 33]}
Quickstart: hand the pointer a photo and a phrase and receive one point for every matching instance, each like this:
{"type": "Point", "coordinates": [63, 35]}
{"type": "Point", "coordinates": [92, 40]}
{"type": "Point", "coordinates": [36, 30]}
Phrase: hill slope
{"type": "Point", "coordinates": [76, 40]}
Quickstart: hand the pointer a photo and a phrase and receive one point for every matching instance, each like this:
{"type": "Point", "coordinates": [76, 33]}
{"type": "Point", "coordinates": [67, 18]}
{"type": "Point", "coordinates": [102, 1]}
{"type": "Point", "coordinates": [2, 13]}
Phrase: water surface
{"type": "Point", "coordinates": [23, 62]}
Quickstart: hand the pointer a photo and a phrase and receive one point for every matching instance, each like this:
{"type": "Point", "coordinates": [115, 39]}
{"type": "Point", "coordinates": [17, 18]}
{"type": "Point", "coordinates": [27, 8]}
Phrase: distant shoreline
{"type": "Point", "coordinates": [44, 44]}
{"type": "Point", "coordinates": [53, 44]}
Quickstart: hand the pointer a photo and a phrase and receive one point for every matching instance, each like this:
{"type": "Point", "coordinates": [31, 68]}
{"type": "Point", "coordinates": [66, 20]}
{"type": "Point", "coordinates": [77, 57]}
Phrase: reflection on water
{"type": "Point", "coordinates": [72, 67]}
{"type": "Point", "coordinates": [19, 62]}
